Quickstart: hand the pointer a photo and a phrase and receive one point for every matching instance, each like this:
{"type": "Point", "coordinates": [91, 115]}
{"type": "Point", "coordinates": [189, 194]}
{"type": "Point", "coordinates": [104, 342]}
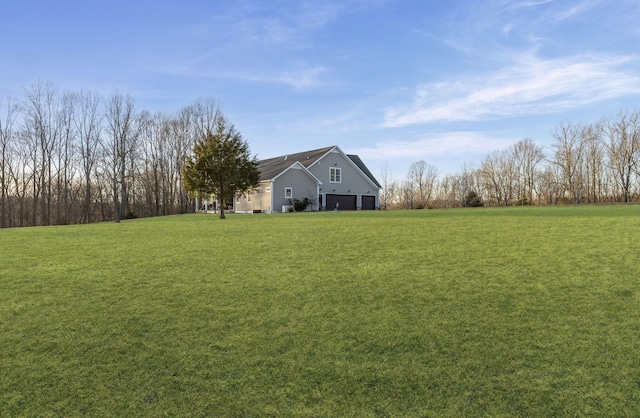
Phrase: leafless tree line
{"type": "Point", "coordinates": [592, 163]}
{"type": "Point", "coordinates": [78, 157]}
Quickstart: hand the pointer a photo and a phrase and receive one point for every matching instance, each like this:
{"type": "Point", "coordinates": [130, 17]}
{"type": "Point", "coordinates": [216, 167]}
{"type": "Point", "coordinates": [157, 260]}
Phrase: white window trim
{"type": "Point", "coordinates": [267, 189]}
{"type": "Point", "coordinates": [337, 173]}
{"type": "Point", "coordinates": [290, 194]}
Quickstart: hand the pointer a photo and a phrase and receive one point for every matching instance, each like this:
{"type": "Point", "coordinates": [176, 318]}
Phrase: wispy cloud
{"type": "Point", "coordinates": [298, 76]}
{"type": "Point", "coordinates": [519, 4]}
{"type": "Point", "coordinates": [530, 86]}
{"type": "Point", "coordinates": [287, 30]}
{"type": "Point", "coordinates": [433, 146]}
{"type": "Point", "coordinates": [451, 42]}
{"type": "Point", "coordinates": [249, 42]}
{"type": "Point", "coordinates": [531, 22]}
{"type": "Point", "coordinates": [487, 31]}
{"type": "Point", "coordinates": [255, 23]}
{"type": "Point", "coordinates": [576, 9]}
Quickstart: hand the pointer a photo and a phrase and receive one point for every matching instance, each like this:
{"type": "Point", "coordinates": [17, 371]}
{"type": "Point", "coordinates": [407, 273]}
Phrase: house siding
{"type": "Point", "coordinates": [260, 201]}
{"type": "Point", "coordinates": [352, 181]}
{"type": "Point", "coordinates": [302, 186]}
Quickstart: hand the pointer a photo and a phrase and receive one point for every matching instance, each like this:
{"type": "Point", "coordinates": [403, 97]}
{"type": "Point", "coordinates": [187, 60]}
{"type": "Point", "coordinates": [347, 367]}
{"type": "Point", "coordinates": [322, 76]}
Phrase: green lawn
{"type": "Point", "coordinates": [478, 312]}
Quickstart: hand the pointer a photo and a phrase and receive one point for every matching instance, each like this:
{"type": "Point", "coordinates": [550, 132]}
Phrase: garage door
{"type": "Point", "coordinates": [341, 202]}
{"type": "Point", "coordinates": [368, 202]}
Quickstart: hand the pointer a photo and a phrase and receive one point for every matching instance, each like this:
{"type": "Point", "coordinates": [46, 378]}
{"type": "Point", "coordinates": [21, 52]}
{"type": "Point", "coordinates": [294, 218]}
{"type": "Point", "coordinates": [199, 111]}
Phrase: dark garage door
{"type": "Point", "coordinates": [368, 202]}
{"type": "Point", "coordinates": [341, 202]}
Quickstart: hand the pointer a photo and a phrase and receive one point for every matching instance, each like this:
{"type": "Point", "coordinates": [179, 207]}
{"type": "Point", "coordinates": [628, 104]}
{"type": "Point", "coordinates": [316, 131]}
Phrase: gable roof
{"type": "Point", "coordinates": [273, 167]}
{"type": "Point", "coordinates": [357, 161]}
{"type": "Point", "coordinates": [300, 167]}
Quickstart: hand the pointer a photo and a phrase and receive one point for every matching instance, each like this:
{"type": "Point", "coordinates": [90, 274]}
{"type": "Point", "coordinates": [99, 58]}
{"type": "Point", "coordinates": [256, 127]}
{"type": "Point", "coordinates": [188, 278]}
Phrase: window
{"type": "Point", "coordinates": [267, 189]}
{"type": "Point", "coordinates": [288, 193]}
{"type": "Point", "coordinates": [335, 175]}
{"type": "Point", "coordinates": [249, 197]}
{"type": "Point", "coordinates": [238, 199]}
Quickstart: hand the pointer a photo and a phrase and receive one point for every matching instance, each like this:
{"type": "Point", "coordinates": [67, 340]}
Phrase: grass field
{"type": "Point", "coordinates": [488, 312]}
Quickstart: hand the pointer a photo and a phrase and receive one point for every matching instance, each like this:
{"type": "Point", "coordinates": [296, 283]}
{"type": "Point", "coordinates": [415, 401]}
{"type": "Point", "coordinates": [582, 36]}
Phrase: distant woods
{"type": "Point", "coordinates": [78, 157]}
{"type": "Point", "coordinates": [593, 163]}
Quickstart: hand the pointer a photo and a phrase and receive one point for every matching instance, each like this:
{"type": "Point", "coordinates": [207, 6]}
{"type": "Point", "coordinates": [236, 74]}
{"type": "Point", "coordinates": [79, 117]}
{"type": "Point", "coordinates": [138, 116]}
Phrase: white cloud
{"type": "Point", "coordinates": [576, 9]}
{"type": "Point", "coordinates": [433, 146]}
{"type": "Point", "coordinates": [254, 24]}
{"type": "Point", "coordinates": [530, 86]}
{"type": "Point", "coordinates": [297, 78]}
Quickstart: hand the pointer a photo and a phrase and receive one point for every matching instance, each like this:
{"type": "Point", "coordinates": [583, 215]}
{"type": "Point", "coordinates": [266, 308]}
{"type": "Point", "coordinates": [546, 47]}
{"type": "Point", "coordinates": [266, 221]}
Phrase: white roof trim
{"type": "Point", "coordinates": [297, 165]}
{"type": "Point", "coordinates": [346, 157]}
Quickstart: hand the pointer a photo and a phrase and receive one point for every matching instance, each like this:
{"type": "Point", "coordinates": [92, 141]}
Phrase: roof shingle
{"type": "Point", "coordinates": [271, 167]}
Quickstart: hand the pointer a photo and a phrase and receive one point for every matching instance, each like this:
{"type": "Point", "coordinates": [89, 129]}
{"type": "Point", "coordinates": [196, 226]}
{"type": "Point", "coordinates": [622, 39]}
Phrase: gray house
{"type": "Point", "coordinates": [327, 177]}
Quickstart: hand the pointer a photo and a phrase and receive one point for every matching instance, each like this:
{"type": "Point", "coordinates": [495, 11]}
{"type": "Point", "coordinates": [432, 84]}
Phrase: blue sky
{"type": "Point", "coordinates": [395, 81]}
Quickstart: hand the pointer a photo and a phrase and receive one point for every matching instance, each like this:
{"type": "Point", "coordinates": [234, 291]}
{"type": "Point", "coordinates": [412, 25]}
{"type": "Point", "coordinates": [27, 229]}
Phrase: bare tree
{"type": "Point", "coordinates": [388, 186]}
{"type": "Point", "coordinates": [65, 160]}
{"type": "Point", "coordinates": [119, 147]}
{"type": "Point", "coordinates": [551, 185]}
{"type": "Point", "coordinates": [621, 137]}
{"type": "Point", "coordinates": [88, 125]}
{"type": "Point", "coordinates": [594, 163]}
{"type": "Point", "coordinates": [497, 175]}
{"type": "Point", "coordinates": [406, 194]}
{"type": "Point", "coordinates": [154, 144]}
{"type": "Point", "coordinates": [7, 120]}
{"type": "Point", "coordinates": [42, 129]}
{"type": "Point", "coordinates": [21, 177]}
{"type": "Point", "coordinates": [527, 157]}
{"type": "Point", "coordinates": [183, 139]}
{"type": "Point", "coordinates": [468, 183]}
{"type": "Point", "coordinates": [448, 191]}
{"type": "Point", "coordinates": [205, 112]}
{"type": "Point", "coordinates": [422, 180]}
{"type": "Point", "coordinates": [569, 150]}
